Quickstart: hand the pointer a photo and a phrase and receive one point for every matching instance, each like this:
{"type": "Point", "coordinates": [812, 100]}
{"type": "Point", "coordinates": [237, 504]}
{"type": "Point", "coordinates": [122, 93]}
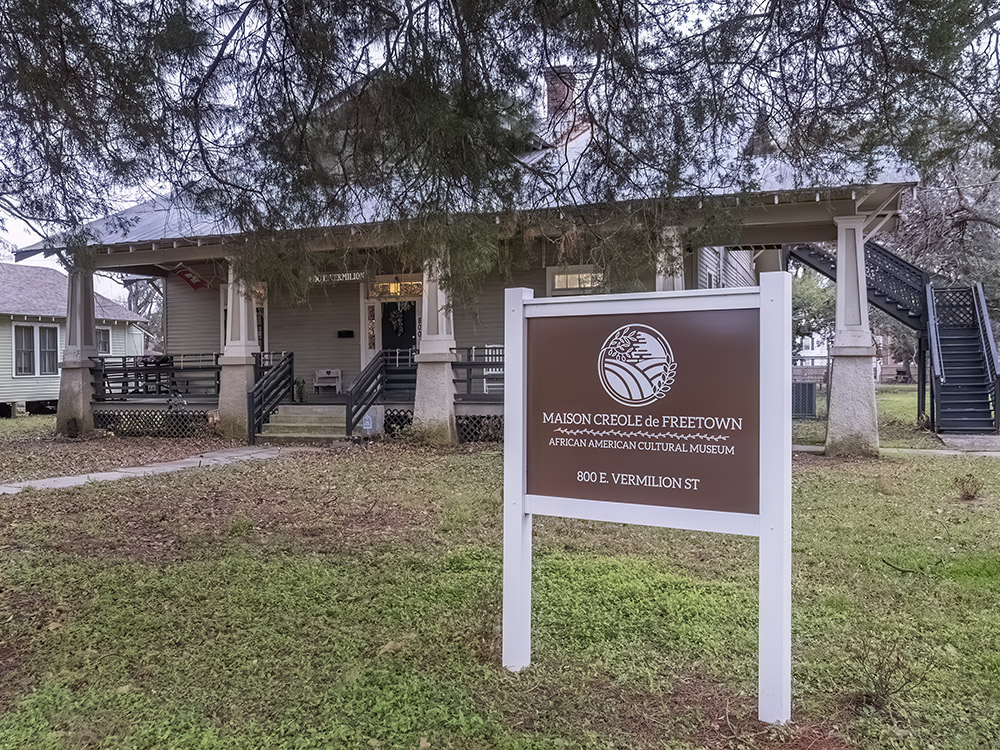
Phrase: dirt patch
{"type": "Point", "coordinates": [42, 455]}
{"type": "Point", "coordinates": [288, 501]}
{"type": "Point", "coordinates": [24, 615]}
{"type": "Point", "coordinates": [696, 711]}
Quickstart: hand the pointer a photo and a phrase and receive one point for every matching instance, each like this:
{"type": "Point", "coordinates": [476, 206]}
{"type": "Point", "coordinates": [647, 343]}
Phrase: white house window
{"type": "Point", "coordinates": [24, 350]}
{"type": "Point", "coordinates": [48, 350]}
{"type": "Point", "coordinates": [36, 350]}
{"type": "Point", "coordinates": [573, 280]}
{"type": "Point", "coordinates": [104, 341]}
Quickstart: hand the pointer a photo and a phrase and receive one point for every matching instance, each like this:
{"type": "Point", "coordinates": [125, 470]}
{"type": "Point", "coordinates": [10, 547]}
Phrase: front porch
{"type": "Point", "coordinates": [175, 394]}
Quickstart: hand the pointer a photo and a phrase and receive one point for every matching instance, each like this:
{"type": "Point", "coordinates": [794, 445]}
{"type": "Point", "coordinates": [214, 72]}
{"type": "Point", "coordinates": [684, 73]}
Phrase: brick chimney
{"type": "Point", "coordinates": [560, 88]}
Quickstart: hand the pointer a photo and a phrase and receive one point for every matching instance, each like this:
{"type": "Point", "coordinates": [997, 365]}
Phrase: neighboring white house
{"type": "Point", "coordinates": [33, 334]}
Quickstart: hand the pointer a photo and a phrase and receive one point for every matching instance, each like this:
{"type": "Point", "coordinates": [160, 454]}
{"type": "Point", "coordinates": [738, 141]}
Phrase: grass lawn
{"type": "Point", "coordinates": [30, 449]}
{"type": "Point", "coordinates": [352, 600]}
{"type": "Point", "coordinates": [897, 420]}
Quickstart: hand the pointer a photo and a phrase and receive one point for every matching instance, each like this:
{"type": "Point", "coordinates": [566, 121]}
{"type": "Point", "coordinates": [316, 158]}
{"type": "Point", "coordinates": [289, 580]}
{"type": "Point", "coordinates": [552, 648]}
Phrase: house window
{"type": "Point", "coordinates": [104, 341]}
{"type": "Point", "coordinates": [48, 350]}
{"type": "Point", "coordinates": [36, 350]}
{"type": "Point", "coordinates": [24, 350]}
{"type": "Point", "coordinates": [573, 280]}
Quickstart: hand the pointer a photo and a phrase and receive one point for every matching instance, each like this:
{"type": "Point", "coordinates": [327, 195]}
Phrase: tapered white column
{"type": "Point", "coordinates": [670, 263]}
{"type": "Point", "coordinates": [852, 424]}
{"type": "Point", "coordinates": [237, 361]}
{"type": "Point", "coordinates": [75, 414]}
{"type": "Point", "coordinates": [434, 401]}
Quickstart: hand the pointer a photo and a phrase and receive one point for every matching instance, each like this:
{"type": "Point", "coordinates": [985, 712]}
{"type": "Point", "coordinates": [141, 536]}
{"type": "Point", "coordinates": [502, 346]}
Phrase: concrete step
{"type": "Point", "coordinates": [299, 439]}
{"type": "Point", "coordinates": [320, 430]}
{"type": "Point", "coordinates": [304, 419]}
{"type": "Point", "coordinates": [328, 410]}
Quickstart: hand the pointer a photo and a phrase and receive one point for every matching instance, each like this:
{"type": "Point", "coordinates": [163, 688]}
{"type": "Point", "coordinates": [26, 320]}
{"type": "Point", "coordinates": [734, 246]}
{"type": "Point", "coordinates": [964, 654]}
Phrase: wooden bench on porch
{"type": "Point", "coordinates": [327, 379]}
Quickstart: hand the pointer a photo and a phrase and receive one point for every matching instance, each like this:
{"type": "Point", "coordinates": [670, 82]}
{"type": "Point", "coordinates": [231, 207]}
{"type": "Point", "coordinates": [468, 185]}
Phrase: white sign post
{"type": "Point", "coordinates": [674, 501]}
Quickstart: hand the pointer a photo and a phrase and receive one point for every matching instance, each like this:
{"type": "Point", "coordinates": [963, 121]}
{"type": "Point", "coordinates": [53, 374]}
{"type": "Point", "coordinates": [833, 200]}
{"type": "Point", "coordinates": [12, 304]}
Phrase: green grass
{"type": "Point", "coordinates": [325, 601]}
{"type": "Point", "coordinates": [33, 424]}
{"type": "Point", "coordinates": [897, 418]}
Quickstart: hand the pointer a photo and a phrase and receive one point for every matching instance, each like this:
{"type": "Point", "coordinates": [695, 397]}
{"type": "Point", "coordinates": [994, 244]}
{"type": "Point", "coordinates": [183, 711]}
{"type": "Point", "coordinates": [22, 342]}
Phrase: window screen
{"type": "Point", "coordinates": [24, 350]}
{"type": "Point", "coordinates": [48, 350]}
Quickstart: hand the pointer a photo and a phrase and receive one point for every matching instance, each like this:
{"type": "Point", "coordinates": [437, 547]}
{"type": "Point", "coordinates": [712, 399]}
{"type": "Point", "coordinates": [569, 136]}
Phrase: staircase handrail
{"type": "Point", "coordinates": [985, 328]}
{"type": "Point", "coordinates": [365, 390]}
{"type": "Point", "coordinates": [989, 348]}
{"type": "Point", "coordinates": [932, 330]}
{"type": "Point", "coordinates": [274, 385]}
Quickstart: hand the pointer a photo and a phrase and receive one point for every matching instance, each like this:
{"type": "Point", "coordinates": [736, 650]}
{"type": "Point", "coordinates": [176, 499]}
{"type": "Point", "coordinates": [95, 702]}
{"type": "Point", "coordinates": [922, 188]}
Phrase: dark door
{"type": "Point", "coordinates": [399, 325]}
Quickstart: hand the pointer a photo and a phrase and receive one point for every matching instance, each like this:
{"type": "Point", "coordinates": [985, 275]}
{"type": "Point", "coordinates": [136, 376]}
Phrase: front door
{"type": "Point", "coordinates": [399, 325]}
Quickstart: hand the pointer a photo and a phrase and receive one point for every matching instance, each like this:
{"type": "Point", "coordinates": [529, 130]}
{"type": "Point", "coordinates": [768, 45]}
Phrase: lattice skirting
{"type": "Point", "coordinates": [479, 428]}
{"type": "Point", "coordinates": [153, 422]}
{"type": "Point", "coordinates": [397, 420]}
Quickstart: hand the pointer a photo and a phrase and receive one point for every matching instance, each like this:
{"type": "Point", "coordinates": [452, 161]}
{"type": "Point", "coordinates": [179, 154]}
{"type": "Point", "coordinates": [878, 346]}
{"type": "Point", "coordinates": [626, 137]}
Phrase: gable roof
{"type": "Point", "coordinates": [42, 292]}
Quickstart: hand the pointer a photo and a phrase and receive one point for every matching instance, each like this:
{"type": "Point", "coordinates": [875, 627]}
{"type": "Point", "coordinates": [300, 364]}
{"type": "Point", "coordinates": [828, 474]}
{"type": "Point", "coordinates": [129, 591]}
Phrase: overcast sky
{"type": "Point", "coordinates": [20, 236]}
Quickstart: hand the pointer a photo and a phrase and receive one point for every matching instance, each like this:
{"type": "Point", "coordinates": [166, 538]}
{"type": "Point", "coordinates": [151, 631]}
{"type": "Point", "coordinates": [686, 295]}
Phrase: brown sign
{"type": "Point", "coordinates": [654, 408]}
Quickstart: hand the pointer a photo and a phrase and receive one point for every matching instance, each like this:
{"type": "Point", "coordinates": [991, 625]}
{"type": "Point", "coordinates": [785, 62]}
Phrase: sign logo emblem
{"type": "Point", "coordinates": [636, 365]}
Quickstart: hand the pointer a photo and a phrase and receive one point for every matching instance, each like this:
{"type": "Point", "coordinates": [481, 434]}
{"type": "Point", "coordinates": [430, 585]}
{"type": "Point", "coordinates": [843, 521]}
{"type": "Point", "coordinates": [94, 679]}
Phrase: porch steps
{"type": "Point", "coordinates": [305, 423]}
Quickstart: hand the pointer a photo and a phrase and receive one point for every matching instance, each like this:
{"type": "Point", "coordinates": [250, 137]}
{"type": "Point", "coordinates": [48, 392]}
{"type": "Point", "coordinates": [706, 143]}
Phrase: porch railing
{"type": "Point", "coordinates": [479, 374]}
{"type": "Point", "coordinates": [274, 386]}
{"type": "Point", "coordinates": [155, 376]}
{"type": "Point", "coordinates": [390, 377]}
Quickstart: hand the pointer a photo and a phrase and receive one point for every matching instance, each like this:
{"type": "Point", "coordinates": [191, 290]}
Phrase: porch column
{"type": "Point", "coordinates": [434, 402]}
{"type": "Point", "coordinates": [852, 424]}
{"type": "Point", "coordinates": [75, 414]}
{"type": "Point", "coordinates": [237, 360]}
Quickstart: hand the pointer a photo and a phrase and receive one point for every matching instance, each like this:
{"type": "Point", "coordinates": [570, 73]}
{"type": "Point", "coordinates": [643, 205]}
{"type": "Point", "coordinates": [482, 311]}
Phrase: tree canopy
{"type": "Point", "coordinates": [284, 114]}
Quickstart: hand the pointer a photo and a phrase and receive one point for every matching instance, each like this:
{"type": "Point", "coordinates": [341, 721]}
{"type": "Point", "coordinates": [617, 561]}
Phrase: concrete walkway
{"type": "Point", "coordinates": [820, 450]}
{"type": "Point", "coordinates": [215, 458]}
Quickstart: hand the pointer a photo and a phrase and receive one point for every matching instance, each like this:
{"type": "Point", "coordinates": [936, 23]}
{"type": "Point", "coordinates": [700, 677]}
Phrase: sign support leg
{"type": "Point", "coordinates": [516, 523]}
{"type": "Point", "coordinates": [775, 637]}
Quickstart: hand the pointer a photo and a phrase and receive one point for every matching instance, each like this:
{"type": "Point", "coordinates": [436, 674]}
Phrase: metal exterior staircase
{"type": "Point", "coordinates": [964, 360]}
{"type": "Point", "coordinates": [895, 286]}
{"type": "Point", "coordinates": [952, 322]}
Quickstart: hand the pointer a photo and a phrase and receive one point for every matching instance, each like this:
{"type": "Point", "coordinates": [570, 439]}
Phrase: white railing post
{"type": "Point", "coordinates": [775, 556]}
{"type": "Point", "coordinates": [516, 522]}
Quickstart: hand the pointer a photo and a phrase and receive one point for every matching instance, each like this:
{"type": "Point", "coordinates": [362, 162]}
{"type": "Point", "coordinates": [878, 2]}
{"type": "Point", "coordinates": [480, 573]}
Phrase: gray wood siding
{"type": "Point", "coordinates": [25, 388]}
{"type": "Point", "coordinates": [483, 324]}
{"type": "Point", "coordinates": [42, 387]}
{"type": "Point", "coordinates": [192, 318]}
{"type": "Point", "coordinates": [310, 332]}
{"type": "Point", "coordinates": [738, 269]}
{"type": "Point", "coordinates": [708, 266]}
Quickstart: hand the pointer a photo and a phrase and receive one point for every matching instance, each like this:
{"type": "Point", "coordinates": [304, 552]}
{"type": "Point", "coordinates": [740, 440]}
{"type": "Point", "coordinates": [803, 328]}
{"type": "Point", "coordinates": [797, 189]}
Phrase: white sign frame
{"type": "Point", "coordinates": [773, 524]}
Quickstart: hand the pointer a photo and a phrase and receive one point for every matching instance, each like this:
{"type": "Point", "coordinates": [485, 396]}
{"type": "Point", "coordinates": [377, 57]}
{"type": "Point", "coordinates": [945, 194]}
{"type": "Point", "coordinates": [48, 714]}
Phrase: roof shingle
{"type": "Point", "coordinates": [41, 292]}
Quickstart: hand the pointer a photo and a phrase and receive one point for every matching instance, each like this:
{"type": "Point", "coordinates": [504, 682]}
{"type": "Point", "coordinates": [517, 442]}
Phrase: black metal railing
{"type": "Point", "coordinates": [988, 343]}
{"type": "Point", "coordinates": [937, 358]}
{"type": "Point", "coordinates": [894, 285]}
{"type": "Point", "coordinates": [390, 377]}
{"type": "Point", "coordinates": [479, 374]}
{"type": "Point", "coordinates": [274, 386]}
{"type": "Point", "coordinates": [156, 376]}
{"type": "Point", "coordinates": [899, 280]}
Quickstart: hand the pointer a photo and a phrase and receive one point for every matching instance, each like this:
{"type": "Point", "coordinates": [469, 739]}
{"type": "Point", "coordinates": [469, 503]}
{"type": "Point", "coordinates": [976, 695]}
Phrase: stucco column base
{"type": "Point", "coordinates": [434, 402]}
{"type": "Point", "coordinates": [852, 424]}
{"type": "Point", "coordinates": [75, 413]}
{"type": "Point", "coordinates": [235, 379]}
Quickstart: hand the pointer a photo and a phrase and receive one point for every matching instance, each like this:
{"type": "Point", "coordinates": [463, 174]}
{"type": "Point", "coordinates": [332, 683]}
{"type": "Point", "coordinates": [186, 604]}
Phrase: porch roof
{"type": "Point", "coordinates": [787, 206]}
